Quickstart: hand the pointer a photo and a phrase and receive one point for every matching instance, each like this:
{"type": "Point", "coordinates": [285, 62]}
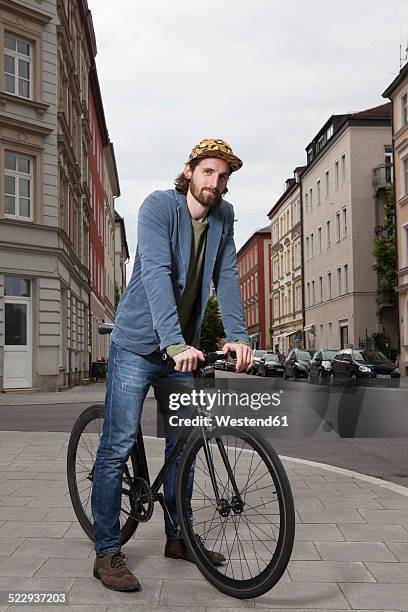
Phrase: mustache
{"type": "Point", "coordinates": [214, 191]}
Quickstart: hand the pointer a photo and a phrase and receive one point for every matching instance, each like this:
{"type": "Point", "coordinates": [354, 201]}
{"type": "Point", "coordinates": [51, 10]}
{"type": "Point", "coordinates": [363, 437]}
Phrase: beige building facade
{"type": "Point", "coordinates": [286, 269]}
{"type": "Point", "coordinates": [339, 219]}
{"type": "Point", "coordinates": [398, 93]}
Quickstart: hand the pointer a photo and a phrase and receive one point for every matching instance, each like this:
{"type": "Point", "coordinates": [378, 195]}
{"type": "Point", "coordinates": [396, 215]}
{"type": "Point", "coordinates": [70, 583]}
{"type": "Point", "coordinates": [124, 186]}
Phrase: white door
{"type": "Point", "coordinates": [18, 343]}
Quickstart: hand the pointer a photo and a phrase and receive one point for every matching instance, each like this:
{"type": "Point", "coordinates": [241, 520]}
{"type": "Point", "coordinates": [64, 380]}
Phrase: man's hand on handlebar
{"type": "Point", "coordinates": [187, 360]}
{"type": "Point", "coordinates": [243, 353]}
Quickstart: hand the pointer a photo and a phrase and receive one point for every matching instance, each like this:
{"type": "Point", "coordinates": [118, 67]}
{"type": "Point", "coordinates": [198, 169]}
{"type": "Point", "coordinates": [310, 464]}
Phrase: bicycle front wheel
{"type": "Point", "coordinates": [253, 522]}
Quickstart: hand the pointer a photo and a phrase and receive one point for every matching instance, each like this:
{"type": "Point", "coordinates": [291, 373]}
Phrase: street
{"type": "Point", "coordinates": [383, 457]}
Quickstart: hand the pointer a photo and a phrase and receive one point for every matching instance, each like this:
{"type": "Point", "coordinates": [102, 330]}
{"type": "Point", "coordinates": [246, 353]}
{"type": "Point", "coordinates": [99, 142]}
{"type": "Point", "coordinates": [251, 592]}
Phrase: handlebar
{"type": "Point", "coordinates": [210, 358]}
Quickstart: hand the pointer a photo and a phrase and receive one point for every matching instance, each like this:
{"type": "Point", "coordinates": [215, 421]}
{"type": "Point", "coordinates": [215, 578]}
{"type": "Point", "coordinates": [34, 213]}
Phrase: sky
{"type": "Point", "coordinates": [264, 75]}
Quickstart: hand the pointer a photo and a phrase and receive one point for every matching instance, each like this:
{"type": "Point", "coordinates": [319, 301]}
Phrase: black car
{"type": "Point", "coordinates": [271, 364]}
{"type": "Point", "coordinates": [320, 366]}
{"type": "Point", "coordinates": [351, 367]}
{"type": "Point", "coordinates": [257, 356]}
{"type": "Point", "coordinates": [297, 363]}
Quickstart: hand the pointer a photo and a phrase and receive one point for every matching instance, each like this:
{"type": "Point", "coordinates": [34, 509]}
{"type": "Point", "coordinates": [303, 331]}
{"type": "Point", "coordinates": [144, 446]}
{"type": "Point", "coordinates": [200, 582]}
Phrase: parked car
{"type": "Point", "coordinates": [258, 354]}
{"type": "Point", "coordinates": [350, 367]}
{"type": "Point", "coordinates": [320, 366]}
{"type": "Point", "coordinates": [297, 363]}
{"type": "Point", "coordinates": [271, 364]}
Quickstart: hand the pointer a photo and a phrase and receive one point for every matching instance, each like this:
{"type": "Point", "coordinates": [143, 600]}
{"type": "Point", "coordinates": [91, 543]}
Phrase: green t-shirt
{"type": "Point", "coordinates": [190, 299]}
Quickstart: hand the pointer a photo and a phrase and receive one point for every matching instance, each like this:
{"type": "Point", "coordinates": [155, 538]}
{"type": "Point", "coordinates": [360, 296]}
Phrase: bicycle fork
{"type": "Point", "coordinates": [224, 506]}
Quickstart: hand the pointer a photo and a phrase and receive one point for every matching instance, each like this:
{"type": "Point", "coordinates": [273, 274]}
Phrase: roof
{"type": "Point", "coordinates": [121, 222]}
{"type": "Point", "coordinates": [403, 74]}
{"type": "Point", "coordinates": [284, 195]}
{"type": "Point", "coordinates": [384, 110]}
{"type": "Point", "coordinates": [262, 230]}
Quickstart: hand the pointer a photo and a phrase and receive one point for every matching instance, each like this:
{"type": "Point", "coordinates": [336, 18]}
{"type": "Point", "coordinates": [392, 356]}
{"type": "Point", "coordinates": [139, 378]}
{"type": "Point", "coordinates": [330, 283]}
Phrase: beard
{"type": "Point", "coordinates": [210, 198]}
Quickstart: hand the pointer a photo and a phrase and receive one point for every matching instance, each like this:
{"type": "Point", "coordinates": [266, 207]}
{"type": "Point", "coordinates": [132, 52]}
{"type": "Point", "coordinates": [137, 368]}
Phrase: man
{"type": "Point", "coordinates": [185, 238]}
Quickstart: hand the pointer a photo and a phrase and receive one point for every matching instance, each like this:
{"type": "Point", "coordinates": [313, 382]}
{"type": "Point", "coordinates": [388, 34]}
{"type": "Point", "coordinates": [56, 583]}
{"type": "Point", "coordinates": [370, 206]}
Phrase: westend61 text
{"type": "Point", "coordinates": [228, 421]}
{"type": "Point", "coordinates": [207, 400]}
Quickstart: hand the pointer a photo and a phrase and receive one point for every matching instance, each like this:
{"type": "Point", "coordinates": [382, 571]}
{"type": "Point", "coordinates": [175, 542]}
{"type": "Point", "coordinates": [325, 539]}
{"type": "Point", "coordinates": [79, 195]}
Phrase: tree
{"type": "Point", "coordinates": [212, 329]}
{"type": "Point", "coordinates": [385, 248]}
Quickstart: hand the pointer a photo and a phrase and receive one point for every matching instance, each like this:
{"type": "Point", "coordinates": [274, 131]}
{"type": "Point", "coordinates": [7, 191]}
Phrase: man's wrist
{"type": "Point", "coordinates": [175, 349]}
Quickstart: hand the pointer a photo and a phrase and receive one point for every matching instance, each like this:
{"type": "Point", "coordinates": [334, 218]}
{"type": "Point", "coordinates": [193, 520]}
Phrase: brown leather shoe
{"type": "Point", "coordinates": [176, 549]}
{"type": "Point", "coordinates": [111, 570]}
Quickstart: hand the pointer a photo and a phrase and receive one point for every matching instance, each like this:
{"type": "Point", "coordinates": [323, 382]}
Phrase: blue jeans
{"type": "Point", "coordinates": [128, 380]}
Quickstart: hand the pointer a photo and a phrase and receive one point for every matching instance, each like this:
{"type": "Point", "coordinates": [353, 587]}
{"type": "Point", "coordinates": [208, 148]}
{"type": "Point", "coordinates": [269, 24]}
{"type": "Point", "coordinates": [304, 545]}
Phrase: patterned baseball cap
{"type": "Point", "coordinates": [215, 147]}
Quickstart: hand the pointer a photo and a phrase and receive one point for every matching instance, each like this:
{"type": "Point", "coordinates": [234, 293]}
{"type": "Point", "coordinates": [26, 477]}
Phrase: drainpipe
{"type": "Point", "coordinates": [302, 261]}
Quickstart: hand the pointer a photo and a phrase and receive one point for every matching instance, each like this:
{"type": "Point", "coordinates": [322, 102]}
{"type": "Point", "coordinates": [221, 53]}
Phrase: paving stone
{"type": "Point", "coordinates": [28, 529]}
{"type": "Point", "coordinates": [15, 567]}
{"type": "Point", "coordinates": [304, 595]}
{"type": "Point", "coordinates": [331, 516]}
{"type": "Point", "coordinates": [17, 475]}
{"type": "Point", "coordinates": [304, 551]}
{"type": "Point", "coordinates": [329, 571]}
{"type": "Point", "coordinates": [54, 547]}
{"type": "Point", "coordinates": [355, 551]}
{"type": "Point", "coordinates": [91, 591]}
{"type": "Point", "coordinates": [351, 502]}
{"type": "Point", "coordinates": [8, 486]}
{"type": "Point", "coordinates": [373, 533]}
{"type": "Point", "coordinates": [400, 550]}
{"type": "Point", "coordinates": [50, 501]}
{"type": "Point", "coordinates": [9, 545]}
{"type": "Point", "coordinates": [62, 608]}
{"type": "Point", "coordinates": [21, 514]}
{"type": "Point", "coordinates": [393, 573]}
{"type": "Point", "coordinates": [386, 517]}
{"type": "Point", "coordinates": [59, 514]}
{"type": "Point", "coordinates": [42, 585]}
{"type": "Point", "coordinates": [394, 503]}
{"type": "Point", "coordinates": [319, 533]}
{"type": "Point", "coordinates": [195, 592]}
{"type": "Point", "coordinates": [59, 567]}
{"type": "Point", "coordinates": [14, 502]}
{"type": "Point", "coordinates": [376, 596]}
{"type": "Point", "coordinates": [142, 608]}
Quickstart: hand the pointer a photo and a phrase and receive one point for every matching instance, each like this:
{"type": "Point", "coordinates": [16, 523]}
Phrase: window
{"type": "Point", "coordinates": [308, 294]}
{"type": "Point", "coordinates": [18, 185]}
{"type": "Point", "coordinates": [329, 284]}
{"type": "Point", "coordinates": [311, 245]}
{"type": "Point", "coordinates": [306, 202]}
{"type": "Point", "coordinates": [404, 109]}
{"type": "Point", "coordinates": [327, 182]}
{"type": "Point", "coordinates": [328, 233]}
{"type": "Point", "coordinates": [405, 176]}
{"type": "Point", "coordinates": [17, 66]}
{"type": "Point", "coordinates": [311, 198]}
{"type": "Point", "coordinates": [343, 168]}
{"type": "Point", "coordinates": [321, 288]}
{"type": "Point", "coordinates": [405, 246]}
{"type": "Point", "coordinates": [319, 238]}
{"type": "Point", "coordinates": [344, 221]}
{"type": "Point", "coordinates": [318, 191]}
{"type": "Point", "coordinates": [338, 281]}
{"type": "Point", "coordinates": [345, 278]}
{"type": "Point", "coordinates": [337, 226]}
{"type": "Point", "coordinates": [336, 174]}
{"type": "Point", "coordinates": [329, 132]}
{"type": "Point", "coordinates": [307, 248]}
{"type": "Point", "coordinates": [313, 293]}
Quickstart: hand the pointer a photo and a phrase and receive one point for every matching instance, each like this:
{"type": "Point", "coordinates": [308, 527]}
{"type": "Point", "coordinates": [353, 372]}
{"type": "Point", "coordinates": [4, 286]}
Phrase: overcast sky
{"type": "Point", "coordinates": [263, 75]}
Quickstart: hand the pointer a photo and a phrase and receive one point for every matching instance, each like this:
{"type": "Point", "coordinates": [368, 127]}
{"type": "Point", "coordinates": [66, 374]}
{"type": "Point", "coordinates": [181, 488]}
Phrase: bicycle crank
{"type": "Point", "coordinates": [141, 500]}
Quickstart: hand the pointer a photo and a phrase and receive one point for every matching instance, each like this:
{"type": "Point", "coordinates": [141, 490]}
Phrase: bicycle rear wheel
{"type": "Point", "coordinates": [82, 448]}
{"type": "Point", "coordinates": [255, 535]}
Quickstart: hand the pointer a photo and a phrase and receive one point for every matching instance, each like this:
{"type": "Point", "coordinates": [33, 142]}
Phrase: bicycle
{"type": "Point", "coordinates": [238, 508]}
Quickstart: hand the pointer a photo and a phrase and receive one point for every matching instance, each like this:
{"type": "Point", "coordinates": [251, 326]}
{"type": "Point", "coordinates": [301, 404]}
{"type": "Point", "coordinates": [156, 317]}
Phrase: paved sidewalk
{"type": "Point", "coordinates": [94, 392]}
{"type": "Point", "coordinates": [351, 549]}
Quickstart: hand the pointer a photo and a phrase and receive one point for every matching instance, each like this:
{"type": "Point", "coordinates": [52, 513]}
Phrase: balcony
{"type": "Point", "coordinates": [383, 175]}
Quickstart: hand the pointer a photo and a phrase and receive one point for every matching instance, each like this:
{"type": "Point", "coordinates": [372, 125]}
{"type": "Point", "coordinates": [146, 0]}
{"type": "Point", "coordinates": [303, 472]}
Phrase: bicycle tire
{"type": "Point", "coordinates": [92, 413]}
{"type": "Point", "coordinates": [254, 586]}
